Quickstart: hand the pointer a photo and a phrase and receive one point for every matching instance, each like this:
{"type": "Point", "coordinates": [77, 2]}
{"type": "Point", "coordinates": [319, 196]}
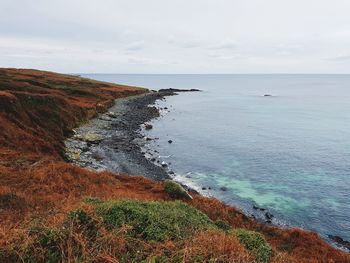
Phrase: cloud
{"type": "Point", "coordinates": [345, 58]}
{"type": "Point", "coordinates": [225, 45]}
{"type": "Point", "coordinates": [137, 45]}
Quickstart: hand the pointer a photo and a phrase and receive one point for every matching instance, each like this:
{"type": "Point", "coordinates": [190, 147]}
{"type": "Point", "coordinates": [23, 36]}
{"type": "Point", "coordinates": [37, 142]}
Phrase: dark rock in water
{"type": "Point", "coordinates": [268, 221]}
{"type": "Point", "coordinates": [255, 207]}
{"type": "Point", "coordinates": [148, 126]}
{"type": "Point", "coordinates": [267, 95]}
{"type": "Point", "coordinates": [262, 209]}
{"type": "Point", "coordinates": [269, 216]}
{"type": "Point", "coordinates": [209, 188]}
{"type": "Point", "coordinates": [164, 164]}
{"type": "Point", "coordinates": [340, 241]}
{"type": "Point", "coordinates": [171, 172]}
{"type": "Point", "coordinates": [223, 188]}
{"type": "Point", "coordinates": [177, 90]}
{"type": "Point", "coordinates": [204, 188]}
{"type": "Point", "coordinates": [170, 141]}
{"type": "Point", "coordinates": [165, 108]}
{"type": "Point", "coordinates": [148, 139]}
{"type": "Point", "coordinates": [153, 159]}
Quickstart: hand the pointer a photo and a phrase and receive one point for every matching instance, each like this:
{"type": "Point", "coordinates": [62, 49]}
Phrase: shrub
{"type": "Point", "coordinates": [255, 242]}
{"type": "Point", "coordinates": [82, 222]}
{"type": "Point", "coordinates": [45, 246]}
{"type": "Point", "coordinates": [175, 190]}
{"type": "Point", "coordinates": [223, 225]}
{"type": "Point", "coordinates": [157, 221]}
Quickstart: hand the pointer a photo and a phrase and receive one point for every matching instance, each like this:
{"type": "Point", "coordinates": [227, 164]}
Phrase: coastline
{"type": "Point", "coordinates": [117, 145]}
{"type": "Point", "coordinates": [113, 141]}
{"type": "Point", "coordinates": [40, 190]}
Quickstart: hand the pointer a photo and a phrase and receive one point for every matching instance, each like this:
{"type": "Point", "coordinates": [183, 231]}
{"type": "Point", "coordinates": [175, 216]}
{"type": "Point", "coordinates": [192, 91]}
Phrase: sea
{"type": "Point", "coordinates": [287, 154]}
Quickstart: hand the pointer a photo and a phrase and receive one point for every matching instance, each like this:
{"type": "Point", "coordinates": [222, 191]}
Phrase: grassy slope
{"type": "Point", "coordinates": [38, 190]}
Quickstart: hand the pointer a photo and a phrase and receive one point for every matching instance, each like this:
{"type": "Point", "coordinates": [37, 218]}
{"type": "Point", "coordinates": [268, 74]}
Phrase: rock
{"type": "Point", "coordinates": [164, 164]}
{"type": "Point", "coordinates": [258, 208]}
{"type": "Point", "coordinates": [165, 108]}
{"type": "Point", "coordinates": [204, 188]}
{"type": "Point", "coordinates": [171, 172]}
{"type": "Point", "coordinates": [267, 95]}
{"type": "Point", "coordinates": [105, 118]}
{"type": "Point", "coordinates": [112, 114]}
{"type": "Point", "coordinates": [148, 139]}
{"type": "Point", "coordinates": [223, 188]}
{"type": "Point", "coordinates": [170, 141]}
{"type": "Point", "coordinates": [85, 149]}
{"type": "Point", "coordinates": [268, 215]}
{"type": "Point", "coordinates": [148, 126]}
{"type": "Point", "coordinates": [209, 188]}
{"type": "Point", "coordinates": [76, 155]}
{"type": "Point", "coordinates": [153, 159]}
{"type": "Point", "coordinates": [340, 241]}
{"type": "Point", "coordinates": [175, 190]}
{"type": "Point", "coordinates": [92, 138]}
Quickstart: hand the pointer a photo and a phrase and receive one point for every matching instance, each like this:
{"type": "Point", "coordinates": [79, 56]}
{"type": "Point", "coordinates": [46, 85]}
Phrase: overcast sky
{"type": "Point", "coordinates": [178, 36]}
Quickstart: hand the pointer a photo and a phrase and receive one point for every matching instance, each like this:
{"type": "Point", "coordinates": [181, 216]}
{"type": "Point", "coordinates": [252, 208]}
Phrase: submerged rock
{"type": "Point", "coordinates": [170, 141]}
{"type": "Point", "coordinates": [267, 95]}
{"type": "Point", "coordinates": [223, 188]}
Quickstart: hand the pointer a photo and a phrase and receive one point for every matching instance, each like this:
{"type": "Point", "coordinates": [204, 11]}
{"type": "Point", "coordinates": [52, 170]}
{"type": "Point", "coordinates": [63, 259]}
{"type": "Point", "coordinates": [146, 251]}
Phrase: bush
{"type": "Point", "coordinates": [223, 225]}
{"type": "Point", "coordinates": [157, 221]}
{"type": "Point", "coordinates": [175, 190]}
{"type": "Point", "coordinates": [45, 246]}
{"type": "Point", "coordinates": [255, 242]}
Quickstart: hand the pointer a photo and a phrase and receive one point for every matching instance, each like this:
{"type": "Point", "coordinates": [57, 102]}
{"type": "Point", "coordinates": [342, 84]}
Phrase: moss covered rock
{"type": "Point", "coordinates": [175, 190]}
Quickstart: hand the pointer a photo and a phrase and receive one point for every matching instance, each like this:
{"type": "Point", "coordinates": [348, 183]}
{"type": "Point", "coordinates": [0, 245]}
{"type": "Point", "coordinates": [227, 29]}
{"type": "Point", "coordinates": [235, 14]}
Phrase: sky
{"type": "Point", "coordinates": [178, 36]}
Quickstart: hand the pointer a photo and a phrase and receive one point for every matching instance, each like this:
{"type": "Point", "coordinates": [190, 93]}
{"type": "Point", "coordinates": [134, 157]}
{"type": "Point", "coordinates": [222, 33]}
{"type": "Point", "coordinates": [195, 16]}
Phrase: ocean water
{"type": "Point", "coordinates": [288, 153]}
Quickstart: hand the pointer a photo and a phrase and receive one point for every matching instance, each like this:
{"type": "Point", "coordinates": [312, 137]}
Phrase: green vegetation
{"type": "Point", "coordinates": [175, 190]}
{"type": "Point", "coordinates": [157, 221]}
{"type": "Point", "coordinates": [255, 242]}
{"type": "Point", "coordinates": [223, 225]}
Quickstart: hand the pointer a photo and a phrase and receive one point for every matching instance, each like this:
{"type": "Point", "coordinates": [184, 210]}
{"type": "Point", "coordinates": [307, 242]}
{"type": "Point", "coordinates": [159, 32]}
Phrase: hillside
{"type": "Point", "coordinates": [53, 211]}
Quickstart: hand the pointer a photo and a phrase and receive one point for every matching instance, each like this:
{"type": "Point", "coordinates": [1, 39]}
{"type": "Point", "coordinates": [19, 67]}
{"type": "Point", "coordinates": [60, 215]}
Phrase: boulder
{"type": "Point", "coordinates": [92, 137]}
{"type": "Point", "coordinates": [112, 114]}
{"type": "Point", "coordinates": [148, 126]}
{"type": "Point", "coordinates": [175, 190]}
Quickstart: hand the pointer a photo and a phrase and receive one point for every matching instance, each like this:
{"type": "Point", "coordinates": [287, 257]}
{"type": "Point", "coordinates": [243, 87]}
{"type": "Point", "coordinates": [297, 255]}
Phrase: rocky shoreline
{"type": "Point", "coordinates": [113, 141]}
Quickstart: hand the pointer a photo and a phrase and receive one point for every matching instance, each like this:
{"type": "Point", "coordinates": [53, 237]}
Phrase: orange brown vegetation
{"type": "Point", "coordinates": [37, 110]}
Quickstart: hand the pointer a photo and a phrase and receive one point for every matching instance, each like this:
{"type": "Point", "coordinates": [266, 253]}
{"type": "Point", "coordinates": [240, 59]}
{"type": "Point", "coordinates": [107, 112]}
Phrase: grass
{"type": "Point", "coordinates": [175, 190]}
{"type": "Point", "coordinates": [255, 243]}
{"type": "Point", "coordinates": [157, 221]}
{"type": "Point", "coordinates": [37, 110]}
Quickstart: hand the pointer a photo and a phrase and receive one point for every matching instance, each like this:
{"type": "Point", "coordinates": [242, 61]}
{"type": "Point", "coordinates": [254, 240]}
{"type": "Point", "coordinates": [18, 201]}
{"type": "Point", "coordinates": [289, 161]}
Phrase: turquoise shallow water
{"type": "Point", "coordinates": [289, 153]}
